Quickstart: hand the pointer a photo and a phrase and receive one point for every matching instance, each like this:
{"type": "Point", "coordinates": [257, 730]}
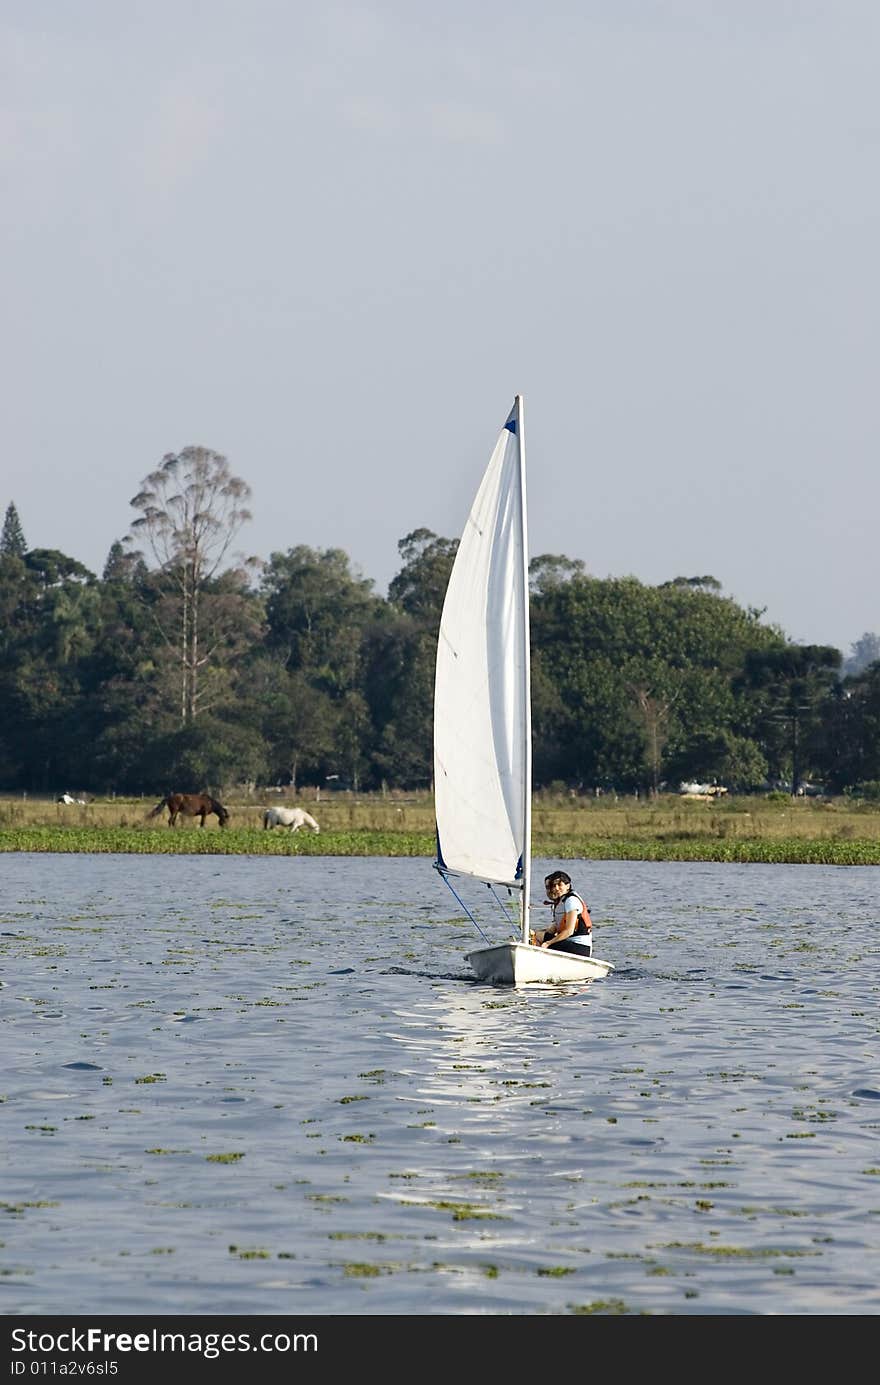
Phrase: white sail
{"type": "Point", "coordinates": [482, 716]}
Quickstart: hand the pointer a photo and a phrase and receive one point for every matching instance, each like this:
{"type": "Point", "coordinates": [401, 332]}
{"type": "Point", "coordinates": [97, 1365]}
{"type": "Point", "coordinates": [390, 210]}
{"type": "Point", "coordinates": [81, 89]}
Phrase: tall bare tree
{"type": "Point", "coordinates": [192, 507]}
{"type": "Point", "coordinates": [653, 714]}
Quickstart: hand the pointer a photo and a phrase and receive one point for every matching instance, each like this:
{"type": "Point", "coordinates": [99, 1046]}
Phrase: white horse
{"type": "Point", "coordinates": [293, 818]}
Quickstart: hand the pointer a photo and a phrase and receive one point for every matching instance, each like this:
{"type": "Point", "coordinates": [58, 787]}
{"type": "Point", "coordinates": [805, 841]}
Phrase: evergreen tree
{"type": "Point", "coordinates": [12, 541]}
{"type": "Point", "coordinates": [122, 565]}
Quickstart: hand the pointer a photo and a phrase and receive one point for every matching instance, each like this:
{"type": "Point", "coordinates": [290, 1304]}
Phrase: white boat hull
{"type": "Point", "coordinates": [517, 964]}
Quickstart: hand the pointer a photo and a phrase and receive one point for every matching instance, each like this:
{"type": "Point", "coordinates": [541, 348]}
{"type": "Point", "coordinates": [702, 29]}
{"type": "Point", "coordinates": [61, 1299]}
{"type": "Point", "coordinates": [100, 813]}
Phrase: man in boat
{"type": "Point", "coordinates": [572, 927]}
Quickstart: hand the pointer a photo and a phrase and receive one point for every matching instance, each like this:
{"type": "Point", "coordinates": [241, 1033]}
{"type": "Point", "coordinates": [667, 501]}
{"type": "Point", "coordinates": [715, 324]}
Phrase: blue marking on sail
{"type": "Point", "coordinates": [510, 425]}
{"type": "Point", "coordinates": [519, 869]}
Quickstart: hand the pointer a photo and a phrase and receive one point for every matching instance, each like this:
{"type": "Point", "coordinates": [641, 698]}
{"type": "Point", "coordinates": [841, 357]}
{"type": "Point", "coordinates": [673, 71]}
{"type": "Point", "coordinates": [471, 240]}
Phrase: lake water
{"type": "Point", "coordinates": [252, 1085]}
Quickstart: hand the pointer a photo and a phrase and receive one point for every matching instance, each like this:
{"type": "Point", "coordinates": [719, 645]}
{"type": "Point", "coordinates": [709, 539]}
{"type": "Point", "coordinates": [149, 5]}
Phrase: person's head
{"type": "Point", "coordinates": [557, 884]}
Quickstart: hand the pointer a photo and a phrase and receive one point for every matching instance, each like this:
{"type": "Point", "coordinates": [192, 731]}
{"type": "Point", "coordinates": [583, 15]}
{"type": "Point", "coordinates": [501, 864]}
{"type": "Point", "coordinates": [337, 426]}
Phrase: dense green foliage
{"type": "Point", "coordinates": [243, 842]}
{"type": "Point", "coordinates": [304, 672]}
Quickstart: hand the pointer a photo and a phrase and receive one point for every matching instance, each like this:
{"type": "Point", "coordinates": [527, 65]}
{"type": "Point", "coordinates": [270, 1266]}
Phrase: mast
{"type": "Point", "coordinates": [527, 680]}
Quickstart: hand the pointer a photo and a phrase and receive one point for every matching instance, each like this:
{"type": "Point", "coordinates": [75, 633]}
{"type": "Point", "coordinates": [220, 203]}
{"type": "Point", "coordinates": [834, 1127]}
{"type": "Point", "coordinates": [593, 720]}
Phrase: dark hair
{"type": "Point", "coordinates": [558, 877]}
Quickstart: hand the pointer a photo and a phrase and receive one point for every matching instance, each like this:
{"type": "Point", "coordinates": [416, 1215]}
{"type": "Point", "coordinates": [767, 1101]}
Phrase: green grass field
{"type": "Point", "coordinates": [668, 828]}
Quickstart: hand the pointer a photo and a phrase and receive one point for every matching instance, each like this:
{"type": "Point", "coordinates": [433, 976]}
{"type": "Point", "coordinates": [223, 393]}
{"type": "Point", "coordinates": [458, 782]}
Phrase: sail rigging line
{"type": "Point", "coordinates": [445, 878]}
{"type": "Point", "coordinates": [501, 905]}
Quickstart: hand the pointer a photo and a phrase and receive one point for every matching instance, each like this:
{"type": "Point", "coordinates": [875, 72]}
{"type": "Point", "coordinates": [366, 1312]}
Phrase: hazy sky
{"type": "Point", "coordinates": [331, 241]}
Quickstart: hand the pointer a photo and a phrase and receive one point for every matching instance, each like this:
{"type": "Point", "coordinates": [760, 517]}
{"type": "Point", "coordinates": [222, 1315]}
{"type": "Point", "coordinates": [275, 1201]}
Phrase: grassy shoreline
{"type": "Point", "coordinates": [367, 842]}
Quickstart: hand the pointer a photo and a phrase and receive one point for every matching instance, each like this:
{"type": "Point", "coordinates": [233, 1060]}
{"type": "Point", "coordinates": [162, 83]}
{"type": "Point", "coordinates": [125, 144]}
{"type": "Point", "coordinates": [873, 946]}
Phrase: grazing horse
{"type": "Point", "coordinates": [192, 805]}
{"type": "Point", "coordinates": [294, 818]}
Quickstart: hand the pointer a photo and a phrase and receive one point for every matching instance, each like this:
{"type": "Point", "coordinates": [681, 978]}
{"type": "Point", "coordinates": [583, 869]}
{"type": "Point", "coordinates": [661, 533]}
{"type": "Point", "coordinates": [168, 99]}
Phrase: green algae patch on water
{"type": "Point", "coordinates": [356, 1236]}
{"type": "Point", "coordinates": [461, 1211]}
{"type": "Point", "coordinates": [16, 1208]}
{"type": "Point", "coordinates": [722, 1252]}
{"type": "Point", "coordinates": [604, 1307]}
{"type": "Point", "coordinates": [490, 1178]}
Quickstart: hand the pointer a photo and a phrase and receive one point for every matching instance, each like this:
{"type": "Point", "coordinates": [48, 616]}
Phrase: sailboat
{"type": "Point", "coordinates": [483, 721]}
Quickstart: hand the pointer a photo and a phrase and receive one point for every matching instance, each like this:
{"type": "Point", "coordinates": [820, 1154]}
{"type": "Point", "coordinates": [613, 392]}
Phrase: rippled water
{"type": "Point", "coordinates": [271, 1086]}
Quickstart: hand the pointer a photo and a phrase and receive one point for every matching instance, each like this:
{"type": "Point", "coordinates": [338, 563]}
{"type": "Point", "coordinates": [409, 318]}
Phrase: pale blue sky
{"type": "Point", "coordinates": [331, 241]}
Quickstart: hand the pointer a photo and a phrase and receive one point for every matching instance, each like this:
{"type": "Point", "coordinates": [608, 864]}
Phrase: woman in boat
{"type": "Point", "coordinates": [572, 927]}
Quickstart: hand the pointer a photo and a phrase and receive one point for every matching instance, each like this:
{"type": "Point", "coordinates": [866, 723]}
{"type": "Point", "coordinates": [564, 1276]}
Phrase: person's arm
{"type": "Point", "coordinates": [565, 926]}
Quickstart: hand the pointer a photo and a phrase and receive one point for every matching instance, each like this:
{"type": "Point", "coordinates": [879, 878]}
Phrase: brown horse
{"type": "Point", "coordinates": [192, 805]}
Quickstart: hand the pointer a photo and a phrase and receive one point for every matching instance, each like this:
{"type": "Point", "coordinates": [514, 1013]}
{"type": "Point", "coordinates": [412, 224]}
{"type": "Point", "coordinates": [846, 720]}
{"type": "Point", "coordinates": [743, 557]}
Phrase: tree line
{"type": "Point", "coordinates": [180, 668]}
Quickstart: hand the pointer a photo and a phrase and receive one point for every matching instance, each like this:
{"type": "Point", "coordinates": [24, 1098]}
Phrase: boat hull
{"type": "Point", "coordinates": [518, 964]}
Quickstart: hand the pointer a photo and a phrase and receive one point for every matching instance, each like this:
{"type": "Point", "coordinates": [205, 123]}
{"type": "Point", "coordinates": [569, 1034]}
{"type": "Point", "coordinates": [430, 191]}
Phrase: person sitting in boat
{"type": "Point", "coordinates": [572, 927]}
